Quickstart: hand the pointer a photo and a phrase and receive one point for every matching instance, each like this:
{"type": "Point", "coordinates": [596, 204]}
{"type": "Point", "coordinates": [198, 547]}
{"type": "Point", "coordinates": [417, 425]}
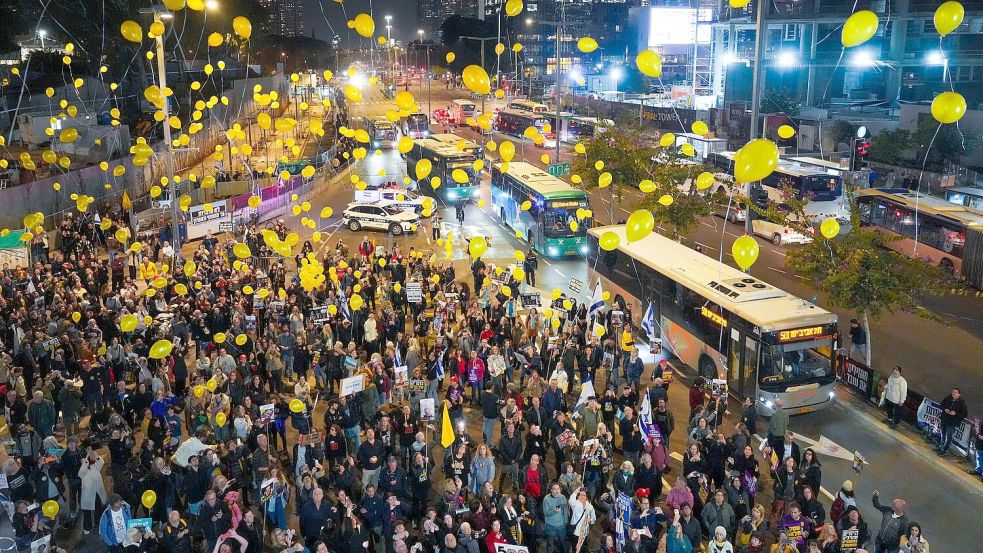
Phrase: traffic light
{"type": "Point", "coordinates": [861, 150]}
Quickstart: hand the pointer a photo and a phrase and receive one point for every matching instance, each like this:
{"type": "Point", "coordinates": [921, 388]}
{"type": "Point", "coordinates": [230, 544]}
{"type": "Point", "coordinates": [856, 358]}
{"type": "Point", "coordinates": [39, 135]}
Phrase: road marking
{"type": "Point", "coordinates": [780, 252]}
{"type": "Point", "coordinates": [777, 270]}
{"type": "Point", "coordinates": [704, 246]}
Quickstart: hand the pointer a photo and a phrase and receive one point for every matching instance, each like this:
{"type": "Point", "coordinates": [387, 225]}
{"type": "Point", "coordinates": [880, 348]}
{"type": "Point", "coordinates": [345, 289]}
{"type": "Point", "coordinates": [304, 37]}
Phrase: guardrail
{"type": "Point", "coordinates": [920, 411]}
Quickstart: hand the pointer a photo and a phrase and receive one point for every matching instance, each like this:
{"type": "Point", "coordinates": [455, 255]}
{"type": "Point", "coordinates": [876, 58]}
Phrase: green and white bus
{"type": "Point", "coordinates": [470, 146]}
{"type": "Point", "coordinates": [553, 206]}
{"type": "Point", "coordinates": [445, 158]}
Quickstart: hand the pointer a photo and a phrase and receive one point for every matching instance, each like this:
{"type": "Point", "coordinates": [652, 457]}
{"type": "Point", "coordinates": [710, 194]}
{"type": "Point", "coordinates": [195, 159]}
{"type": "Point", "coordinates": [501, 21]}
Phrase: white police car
{"type": "Point", "coordinates": [359, 215]}
{"type": "Point", "coordinates": [400, 199]}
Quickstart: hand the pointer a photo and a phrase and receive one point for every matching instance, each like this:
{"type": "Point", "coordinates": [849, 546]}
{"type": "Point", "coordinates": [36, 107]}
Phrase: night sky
{"type": "Point", "coordinates": [403, 12]}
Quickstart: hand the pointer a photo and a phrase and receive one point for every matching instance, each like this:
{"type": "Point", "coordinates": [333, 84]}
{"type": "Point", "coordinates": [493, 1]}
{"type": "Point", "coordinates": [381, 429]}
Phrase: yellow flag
{"type": "Point", "coordinates": [127, 204]}
{"type": "Point", "coordinates": [446, 429]}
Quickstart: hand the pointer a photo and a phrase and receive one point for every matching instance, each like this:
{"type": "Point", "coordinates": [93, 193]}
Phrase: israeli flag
{"type": "Point", "coordinates": [439, 369]}
{"type": "Point", "coordinates": [648, 321]}
{"type": "Point", "coordinates": [596, 300]}
{"type": "Point", "coordinates": [396, 357]}
{"type": "Point", "coordinates": [646, 423]}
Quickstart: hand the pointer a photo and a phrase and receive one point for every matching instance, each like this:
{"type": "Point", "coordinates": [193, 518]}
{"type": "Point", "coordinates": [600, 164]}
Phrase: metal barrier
{"type": "Point", "coordinates": [919, 411]}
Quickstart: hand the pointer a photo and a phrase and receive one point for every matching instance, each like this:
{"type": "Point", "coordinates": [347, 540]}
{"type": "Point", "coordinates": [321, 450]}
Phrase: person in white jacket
{"type": "Point", "coordinates": [895, 394]}
{"type": "Point", "coordinates": [582, 516]}
{"type": "Point", "coordinates": [93, 489]}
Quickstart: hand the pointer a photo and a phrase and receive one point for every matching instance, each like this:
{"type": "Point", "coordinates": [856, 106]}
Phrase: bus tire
{"type": "Point", "coordinates": [776, 239]}
{"type": "Point", "coordinates": [530, 238]}
{"type": "Point", "coordinates": [396, 229]}
{"type": "Point", "coordinates": [354, 225]}
{"type": "Point", "coordinates": [501, 212]}
{"type": "Point", "coordinates": [707, 368]}
{"type": "Point", "coordinates": [947, 266]}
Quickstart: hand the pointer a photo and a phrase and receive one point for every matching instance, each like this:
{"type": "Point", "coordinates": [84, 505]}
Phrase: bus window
{"type": "Point", "coordinates": [795, 361]}
{"type": "Point", "coordinates": [557, 223]}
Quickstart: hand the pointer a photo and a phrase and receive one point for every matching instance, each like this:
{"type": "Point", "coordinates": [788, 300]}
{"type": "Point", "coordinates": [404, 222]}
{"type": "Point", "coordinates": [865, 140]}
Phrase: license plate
{"type": "Point", "coordinates": [802, 410]}
{"type": "Point", "coordinates": [570, 252]}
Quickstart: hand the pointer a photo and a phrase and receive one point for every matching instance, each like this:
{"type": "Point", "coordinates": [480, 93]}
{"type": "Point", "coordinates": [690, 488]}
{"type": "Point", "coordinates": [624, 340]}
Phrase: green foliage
{"type": "Point", "coordinates": [890, 147]}
{"type": "Point", "coordinates": [857, 272]}
{"type": "Point", "coordinates": [782, 100]}
{"type": "Point", "coordinates": [628, 161]}
{"type": "Point", "coordinates": [948, 147]}
{"type": "Point", "coordinates": [675, 176]}
{"type": "Point", "coordinates": [842, 131]}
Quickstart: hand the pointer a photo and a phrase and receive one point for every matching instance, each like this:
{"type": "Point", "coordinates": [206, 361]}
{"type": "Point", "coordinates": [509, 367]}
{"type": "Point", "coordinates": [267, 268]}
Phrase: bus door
{"type": "Point", "coordinates": [742, 362]}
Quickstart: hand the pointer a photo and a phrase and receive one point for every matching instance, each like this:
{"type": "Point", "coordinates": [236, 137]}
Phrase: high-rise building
{"type": "Point", "coordinates": [803, 55]}
{"type": "Point", "coordinates": [432, 13]}
{"type": "Point", "coordinates": [286, 17]}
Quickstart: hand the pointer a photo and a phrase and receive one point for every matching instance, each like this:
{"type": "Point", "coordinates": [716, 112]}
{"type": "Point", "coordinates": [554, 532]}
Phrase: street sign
{"type": "Point", "coordinates": [576, 285]}
{"type": "Point", "coordinates": [558, 169]}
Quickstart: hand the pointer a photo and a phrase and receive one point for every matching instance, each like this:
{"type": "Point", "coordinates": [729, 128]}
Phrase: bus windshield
{"type": "Point", "coordinates": [416, 122]}
{"type": "Point", "coordinates": [467, 168]}
{"type": "Point", "coordinates": [556, 222]}
{"type": "Point", "coordinates": [795, 362]}
{"type": "Point", "coordinates": [822, 188]}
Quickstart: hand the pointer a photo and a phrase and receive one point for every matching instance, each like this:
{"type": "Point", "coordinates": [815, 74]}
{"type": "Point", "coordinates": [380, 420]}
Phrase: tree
{"type": "Point", "coordinates": [857, 272]}
{"type": "Point", "coordinates": [628, 161]}
{"type": "Point", "coordinates": [675, 177]}
{"type": "Point", "coordinates": [781, 100]}
{"type": "Point", "coordinates": [939, 146]}
{"type": "Point", "coordinates": [890, 147]}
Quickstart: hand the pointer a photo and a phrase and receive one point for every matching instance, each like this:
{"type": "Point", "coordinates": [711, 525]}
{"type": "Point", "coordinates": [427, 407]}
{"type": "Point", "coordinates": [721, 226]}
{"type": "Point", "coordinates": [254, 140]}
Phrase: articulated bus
{"type": "Point", "coordinates": [724, 323]}
{"type": "Point", "coordinates": [553, 205]}
{"type": "Point", "coordinates": [823, 190]}
{"type": "Point", "coordinates": [470, 147]}
{"type": "Point", "coordinates": [516, 122]}
{"type": "Point", "coordinates": [445, 159]}
{"type": "Point", "coordinates": [381, 131]}
{"type": "Point", "coordinates": [940, 232]}
{"type": "Point", "coordinates": [416, 125]}
{"type": "Point", "coordinates": [528, 105]}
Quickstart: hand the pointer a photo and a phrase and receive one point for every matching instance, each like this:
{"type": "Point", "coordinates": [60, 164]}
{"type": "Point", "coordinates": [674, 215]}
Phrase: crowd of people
{"type": "Point", "coordinates": [243, 411]}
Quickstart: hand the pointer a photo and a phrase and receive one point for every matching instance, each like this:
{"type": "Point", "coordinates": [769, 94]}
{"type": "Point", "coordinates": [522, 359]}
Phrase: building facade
{"type": "Point", "coordinates": [286, 17]}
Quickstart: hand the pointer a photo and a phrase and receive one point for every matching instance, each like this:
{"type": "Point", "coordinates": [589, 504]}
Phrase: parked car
{"type": "Point", "coordinates": [359, 215]}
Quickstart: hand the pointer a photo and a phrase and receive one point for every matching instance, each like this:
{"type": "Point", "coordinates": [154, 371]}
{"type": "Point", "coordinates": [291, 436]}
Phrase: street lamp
{"type": "Point", "coordinates": [211, 5]}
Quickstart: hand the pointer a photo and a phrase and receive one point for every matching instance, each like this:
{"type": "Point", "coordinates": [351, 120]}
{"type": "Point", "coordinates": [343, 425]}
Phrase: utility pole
{"type": "Point", "coordinates": [757, 88]}
{"type": "Point", "coordinates": [482, 41]}
{"type": "Point", "coordinates": [169, 154]}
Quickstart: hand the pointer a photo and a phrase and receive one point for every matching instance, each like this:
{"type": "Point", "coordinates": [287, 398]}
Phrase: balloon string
{"type": "Point", "coordinates": [832, 74]}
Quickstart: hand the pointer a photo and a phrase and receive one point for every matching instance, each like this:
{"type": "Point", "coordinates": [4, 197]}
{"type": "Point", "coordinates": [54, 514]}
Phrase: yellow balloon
{"type": "Point", "coordinates": [756, 160]}
{"type": "Point", "coordinates": [477, 247]}
{"type": "Point", "coordinates": [242, 27]}
{"type": "Point", "coordinates": [830, 228]}
{"type": "Point", "coordinates": [297, 406]}
{"type": "Point", "coordinates": [604, 180]}
{"type": "Point", "coordinates": [700, 128]}
{"type": "Point", "coordinates": [128, 322]}
{"type": "Point", "coordinates": [606, 295]}
{"type": "Point", "coordinates": [131, 31]}
{"type": "Point", "coordinates": [221, 418]}
{"type": "Point", "coordinates": [68, 135]}
{"type": "Point", "coordinates": [174, 5]}
{"type": "Point", "coordinates": [423, 168]}
{"type": "Point", "coordinates": [506, 150]}
{"type": "Point", "coordinates": [948, 107]}
{"type": "Point", "coordinates": [666, 140]}
{"type": "Point", "coordinates": [460, 176]}
{"type": "Point", "coordinates": [190, 268]}
{"type": "Point", "coordinates": [50, 508]}
{"type": "Point", "coordinates": [737, 4]}
{"type": "Point", "coordinates": [646, 186]}
{"type": "Point", "coordinates": [404, 100]}
{"type": "Point", "coordinates": [181, 289]}
{"type": "Point", "coordinates": [524, 206]}
{"type": "Point", "coordinates": [640, 223]}
{"type": "Point", "coordinates": [745, 251]}
{"type": "Point", "coordinates": [688, 149]}
{"type": "Point", "coordinates": [353, 94]}
{"type": "Point", "coordinates": [586, 44]}
{"type": "Point", "coordinates": [476, 79]}
{"type": "Point", "coordinates": [786, 131]}
{"type": "Point", "coordinates": [948, 17]}
{"type": "Point", "coordinates": [254, 201]}
{"type": "Point", "coordinates": [161, 349]}
{"type": "Point", "coordinates": [76, 316]}
{"type": "Point", "coordinates": [609, 241]}
{"type": "Point", "coordinates": [649, 63]}
{"type": "Point", "coordinates": [215, 40]}
{"type": "Point", "coordinates": [499, 49]}
{"type": "Point", "coordinates": [404, 145]}
{"type": "Point", "coordinates": [199, 390]}
{"type": "Point", "coordinates": [580, 148]}
{"type": "Point", "coordinates": [858, 28]}
{"type": "Point", "coordinates": [704, 180]}
{"type": "Point", "coordinates": [517, 47]}
{"type": "Point", "coordinates": [211, 385]}
{"type": "Point", "coordinates": [356, 302]}
{"type": "Point", "coordinates": [364, 25]}
{"type": "Point", "coordinates": [665, 200]}
{"type": "Point", "coordinates": [513, 7]}
{"type": "Point", "coordinates": [241, 251]}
